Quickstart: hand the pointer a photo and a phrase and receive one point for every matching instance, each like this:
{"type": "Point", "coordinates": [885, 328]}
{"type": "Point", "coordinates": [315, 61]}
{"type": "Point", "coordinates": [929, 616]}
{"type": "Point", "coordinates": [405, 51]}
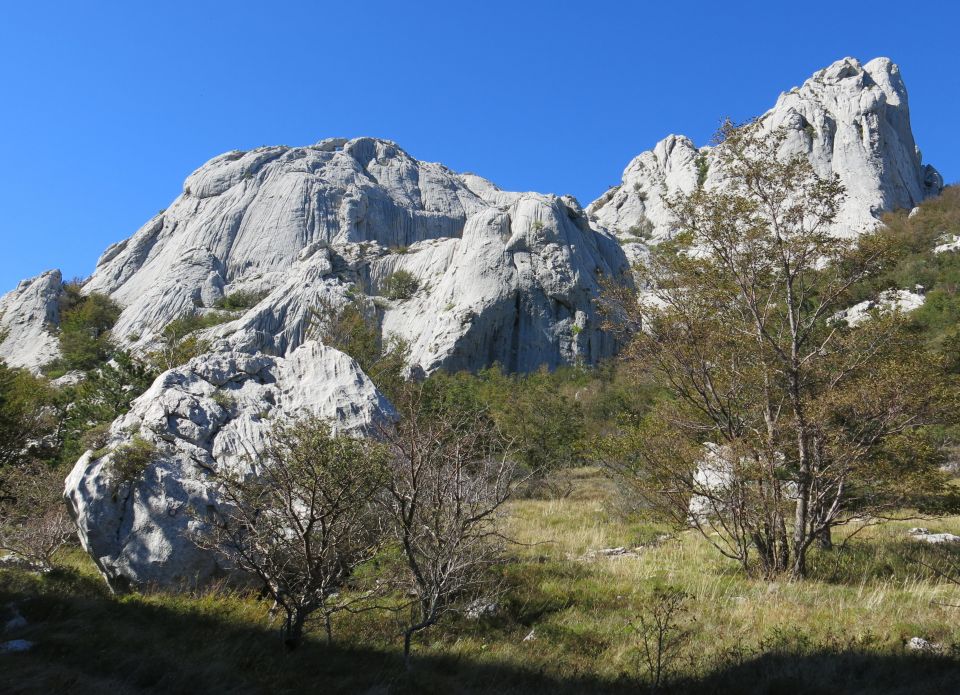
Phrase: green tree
{"type": "Point", "coordinates": [400, 285]}
{"type": "Point", "coordinates": [88, 407]}
{"type": "Point", "coordinates": [738, 327]}
{"type": "Point", "coordinates": [85, 323]}
{"type": "Point", "coordinates": [352, 328]}
{"type": "Point", "coordinates": [27, 416]}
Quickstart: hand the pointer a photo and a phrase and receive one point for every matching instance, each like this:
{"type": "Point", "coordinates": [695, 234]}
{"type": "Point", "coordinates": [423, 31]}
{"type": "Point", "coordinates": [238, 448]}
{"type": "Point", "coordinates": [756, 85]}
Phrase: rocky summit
{"type": "Point", "coordinates": [493, 277]}
{"type": "Point", "coordinates": [506, 277]}
{"type": "Point", "coordinates": [851, 120]}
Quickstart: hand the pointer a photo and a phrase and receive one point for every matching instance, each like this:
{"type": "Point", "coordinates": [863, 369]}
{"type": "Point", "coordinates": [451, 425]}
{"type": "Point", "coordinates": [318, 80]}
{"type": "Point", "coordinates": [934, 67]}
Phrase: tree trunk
{"type": "Point", "coordinates": [407, 636]}
{"type": "Point", "coordinates": [294, 630]}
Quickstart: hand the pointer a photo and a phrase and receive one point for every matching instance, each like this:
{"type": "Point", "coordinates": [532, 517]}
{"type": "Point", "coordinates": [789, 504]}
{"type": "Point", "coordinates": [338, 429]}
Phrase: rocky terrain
{"type": "Point", "coordinates": [211, 415]}
{"type": "Point", "coordinates": [497, 277]}
{"type": "Point", "coordinates": [850, 119]}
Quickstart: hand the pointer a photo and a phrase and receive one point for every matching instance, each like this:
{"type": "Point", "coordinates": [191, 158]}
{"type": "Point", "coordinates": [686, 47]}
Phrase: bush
{"type": "Point", "coordinates": [401, 285]}
{"type": "Point", "coordinates": [85, 323]}
{"type": "Point", "coordinates": [34, 523]}
{"type": "Point", "coordinates": [240, 301]}
{"type": "Point", "coordinates": [26, 415]}
{"type": "Point", "coordinates": [179, 345]}
{"type": "Point", "coordinates": [129, 461]}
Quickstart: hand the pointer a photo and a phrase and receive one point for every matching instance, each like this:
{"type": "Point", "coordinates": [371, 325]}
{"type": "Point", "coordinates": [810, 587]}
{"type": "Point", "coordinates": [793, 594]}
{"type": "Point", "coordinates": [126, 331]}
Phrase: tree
{"type": "Point", "coordinates": [179, 342]}
{"type": "Point", "coordinates": [85, 323]}
{"type": "Point", "coordinates": [808, 422]}
{"type": "Point", "coordinates": [27, 418]}
{"type": "Point", "coordinates": [451, 472]}
{"type": "Point", "coordinates": [401, 285]}
{"type": "Point", "coordinates": [302, 521]}
{"type": "Point", "coordinates": [106, 393]}
{"type": "Point", "coordinates": [34, 523]}
{"type": "Point", "coordinates": [351, 328]}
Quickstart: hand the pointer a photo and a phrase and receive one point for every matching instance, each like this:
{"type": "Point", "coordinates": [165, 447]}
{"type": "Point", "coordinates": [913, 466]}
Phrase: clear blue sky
{"type": "Point", "coordinates": [107, 107]}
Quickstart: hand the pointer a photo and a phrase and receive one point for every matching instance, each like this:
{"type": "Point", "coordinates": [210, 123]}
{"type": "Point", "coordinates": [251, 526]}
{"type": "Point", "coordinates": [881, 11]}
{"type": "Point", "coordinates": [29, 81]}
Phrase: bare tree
{"type": "Point", "coordinates": [661, 632]}
{"type": "Point", "coordinates": [303, 520]}
{"type": "Point", "coordinates": [34, 522]}
{"type": "Point", "coordinates": [452, 471]}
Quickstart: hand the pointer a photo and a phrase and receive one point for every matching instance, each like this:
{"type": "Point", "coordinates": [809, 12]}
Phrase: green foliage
{"type": "Point", "coordinates": [400, 250]}
{"type": "Point", "coordinates": [85, 323]}
{"type": "Point", "coordinates": [554, 418]}
{"type": "Point", "coordinates": [400, 285]}
{"type": "Point", "coordinates": [703, 168]}
{"type": "Point", "coordinates": [88, 408]}
{"type": "Point", "coordinates": [643, 230]}
{"type": "Point", "coordinates": [129, 461]}
{"type": "Point", "coordinates": [239, 301]}
{"type": "Point", "coordinates": [27, 418]}
{"type": "Point", "coordinates": [178, 340]}
{"type": "Point", "coordinates": [910, 261]}
{"type": "Point", "coordinates": [351, 328]}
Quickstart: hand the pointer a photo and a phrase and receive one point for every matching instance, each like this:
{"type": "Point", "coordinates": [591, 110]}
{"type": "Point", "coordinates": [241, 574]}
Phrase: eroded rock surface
{"type": "Point", "coordinates": [28, 319]}
{"type": "Point", "coordinates": [850, 119]}
{"type": "Point", "coordinates": [502, 276]}
{"type": "Point", "coordinates": [213, 414]}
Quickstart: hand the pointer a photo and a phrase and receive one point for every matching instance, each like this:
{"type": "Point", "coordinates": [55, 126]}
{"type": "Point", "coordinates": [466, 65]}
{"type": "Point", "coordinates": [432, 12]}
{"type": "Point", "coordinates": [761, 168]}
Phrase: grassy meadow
{"type": "Point", "coordinates": [568, 621]}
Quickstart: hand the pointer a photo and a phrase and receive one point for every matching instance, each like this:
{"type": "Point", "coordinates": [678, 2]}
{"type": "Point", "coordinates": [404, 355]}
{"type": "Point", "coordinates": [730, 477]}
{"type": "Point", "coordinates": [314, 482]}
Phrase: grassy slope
{"type": "Point", "coordinates": [843, 631]}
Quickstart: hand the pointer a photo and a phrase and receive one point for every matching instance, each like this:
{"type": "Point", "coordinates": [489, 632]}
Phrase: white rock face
{"type": "Point", "coordinates": [503, 276]}
{"type": "Point", "coordinates": [904, 301]}
{"type": "Point", "coordinates": [210, 415]}
{"type": "Point", "coordinates": [850, 119]}
{"type": "Point", "coordinates": [28, 317]}
{"type": "Point", "coordinates": [950, 245]}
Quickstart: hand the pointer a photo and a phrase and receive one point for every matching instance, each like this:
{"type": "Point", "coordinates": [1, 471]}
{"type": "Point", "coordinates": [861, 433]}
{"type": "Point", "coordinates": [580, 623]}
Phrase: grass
{"type": "Point", "coordinates": [841, 631]}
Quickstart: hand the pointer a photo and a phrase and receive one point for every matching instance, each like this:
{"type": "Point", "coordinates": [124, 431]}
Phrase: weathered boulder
{"type": "Point", "coordinates": [850, 119]}
{"type": "Point", "coordinates": [903, 301]}
{"type": "Point", "coordinates": [28, 318]}
{"type": "Point", "coordinates": [213, 414]}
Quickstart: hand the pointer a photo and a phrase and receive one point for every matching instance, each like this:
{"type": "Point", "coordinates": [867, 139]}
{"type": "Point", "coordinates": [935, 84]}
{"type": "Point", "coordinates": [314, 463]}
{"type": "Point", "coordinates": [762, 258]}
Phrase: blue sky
{"type": "Point", "coordinates": [107, 107]}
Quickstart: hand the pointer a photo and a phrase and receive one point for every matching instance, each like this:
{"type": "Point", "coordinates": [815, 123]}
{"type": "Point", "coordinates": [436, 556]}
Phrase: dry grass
{"type": "Point", "coordinates": [841, 631]}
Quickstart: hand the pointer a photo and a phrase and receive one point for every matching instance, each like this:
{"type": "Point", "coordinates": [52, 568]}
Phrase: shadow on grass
{"type": "Point", "coordinates": [88, 641]}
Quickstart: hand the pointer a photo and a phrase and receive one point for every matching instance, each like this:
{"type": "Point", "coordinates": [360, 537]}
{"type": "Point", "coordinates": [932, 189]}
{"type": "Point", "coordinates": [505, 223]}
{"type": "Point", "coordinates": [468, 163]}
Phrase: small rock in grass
{"type": "Point", "coordinates": [918, 644]}
{"type": "Point", "coordinates": [480, 608]}
{"type": "Point", "coordinates": [922, 534]}
{"type": "Point", "coordinates": [15, 645]}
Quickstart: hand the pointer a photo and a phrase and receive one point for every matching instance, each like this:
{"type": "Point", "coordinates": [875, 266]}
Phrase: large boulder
{"type": "Point", "coordinates": [849, 119]}
{"type": "Point", "coordinates": [211, 415]}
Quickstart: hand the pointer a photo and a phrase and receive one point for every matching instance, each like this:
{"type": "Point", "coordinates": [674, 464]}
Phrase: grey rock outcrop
{"type": "Point", "coordinates": [211, 415]}
{"type": "Point", "coordinates": [850, 119]}
{"type": "Point", "coordinates": [502, 276]}
{"type": "Point", "coordinates": [28, 317]}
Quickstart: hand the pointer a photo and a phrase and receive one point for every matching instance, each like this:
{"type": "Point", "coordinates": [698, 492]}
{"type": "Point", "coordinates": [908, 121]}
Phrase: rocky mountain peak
{"type": "Point", "coordinates": [850, 119]}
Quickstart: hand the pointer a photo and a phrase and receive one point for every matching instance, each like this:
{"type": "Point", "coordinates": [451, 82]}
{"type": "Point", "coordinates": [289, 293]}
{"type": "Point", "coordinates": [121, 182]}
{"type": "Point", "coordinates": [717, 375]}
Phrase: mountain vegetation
{"type": "Point", "coordinates": [538, 461]}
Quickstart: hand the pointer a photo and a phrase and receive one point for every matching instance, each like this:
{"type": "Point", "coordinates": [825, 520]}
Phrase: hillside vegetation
{"type": "Point", "coordinates": [569, 621]}
{"type": "Point", "coordinates": [594, 585]}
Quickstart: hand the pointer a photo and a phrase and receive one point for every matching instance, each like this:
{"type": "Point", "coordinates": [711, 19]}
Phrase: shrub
{"type": "Point", "coordinates": [34, 523]}
{"type": "Point", "coordinates": [85, 322]}
{"type": "Point", "coordinates": [240, 301]}
{"type": "Point", "coordinates": [178, 345]}
{"type": "Point", "coordinates": [129, 461]}
{"type": "Point", "coordinates": [703, 168]}
{"type": "Point", "coordinates": [401, 285]}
